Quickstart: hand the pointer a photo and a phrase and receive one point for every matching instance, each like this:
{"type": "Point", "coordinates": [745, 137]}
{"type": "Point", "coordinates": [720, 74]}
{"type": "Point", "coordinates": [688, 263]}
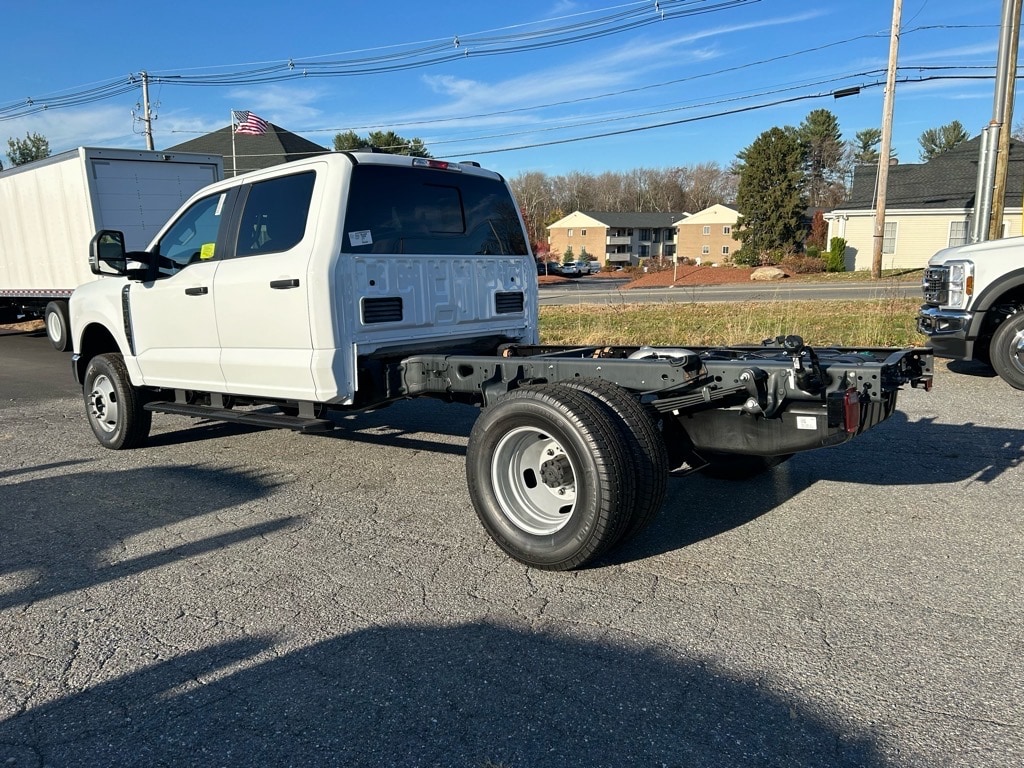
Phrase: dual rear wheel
{"type": "Point", "coordinates": [561, 473]}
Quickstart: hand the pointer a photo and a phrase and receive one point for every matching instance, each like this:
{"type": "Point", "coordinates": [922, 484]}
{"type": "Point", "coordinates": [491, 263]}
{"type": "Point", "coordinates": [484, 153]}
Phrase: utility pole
{"type": "Point", "coordinates": [886, 148]}
{"type": "Point", "coordinates": [147, 118]}
{"type": "Point", "coordinates": [995, 229]}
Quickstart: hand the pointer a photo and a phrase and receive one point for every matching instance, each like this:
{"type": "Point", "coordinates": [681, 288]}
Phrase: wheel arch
{"type": "Point", "coordinates": [1007, 292]}
{"type": "Point", "coordinates": [96, 339]}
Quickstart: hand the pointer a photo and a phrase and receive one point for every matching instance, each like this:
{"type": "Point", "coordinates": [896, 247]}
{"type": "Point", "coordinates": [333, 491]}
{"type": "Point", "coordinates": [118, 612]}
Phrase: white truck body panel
{"type": "Point", "coordinates": [50, 209]}
{"type": "Point", "coordinates": [221, 326]}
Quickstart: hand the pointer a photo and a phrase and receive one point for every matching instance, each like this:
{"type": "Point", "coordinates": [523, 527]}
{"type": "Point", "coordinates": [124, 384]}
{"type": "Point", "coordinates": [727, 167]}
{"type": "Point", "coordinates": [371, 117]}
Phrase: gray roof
{"type": "Point", "coordinates": [627, 220]}
{"type": "Point", "coordinates": [946, 181]}
{"type": "Point", "coordinates": [252, 152]}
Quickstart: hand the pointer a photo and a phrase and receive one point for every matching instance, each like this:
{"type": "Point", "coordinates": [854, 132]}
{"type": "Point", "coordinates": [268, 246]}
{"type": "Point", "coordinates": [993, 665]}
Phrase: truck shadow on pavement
{"type": "Point", "coordinates": [472, 695]}
{"type": "Point", "coordinates": [896, 453]}
{"type": "Point", "coordinates": [71, 531]}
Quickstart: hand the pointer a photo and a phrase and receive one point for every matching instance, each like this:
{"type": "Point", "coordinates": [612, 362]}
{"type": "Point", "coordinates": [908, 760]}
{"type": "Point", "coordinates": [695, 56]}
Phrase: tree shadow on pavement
{"type": "Point", "coordinates": [474, 695]}
{"type": "Point", "coordinates": [63, 532]}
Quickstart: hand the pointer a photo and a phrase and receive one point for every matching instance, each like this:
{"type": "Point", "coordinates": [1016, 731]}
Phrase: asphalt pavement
{"type": "Point", "coordinates": [232, 596]}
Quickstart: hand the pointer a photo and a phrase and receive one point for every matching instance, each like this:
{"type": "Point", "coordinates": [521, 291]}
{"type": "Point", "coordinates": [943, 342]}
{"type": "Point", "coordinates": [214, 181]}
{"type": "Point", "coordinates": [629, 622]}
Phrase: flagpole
{"type": "Point", "coordinates": [234, 160]}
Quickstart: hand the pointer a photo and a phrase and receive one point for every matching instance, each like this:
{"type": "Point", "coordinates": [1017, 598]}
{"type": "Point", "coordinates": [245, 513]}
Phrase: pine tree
{"type": "Point", "coordinates": [769, 197]}
{"type": "Point", "coordinates": [32, 147]}
{"type": "Point", "coordinates": [935, 141]}
{"type": "Point", "coordinates": [824, 160]}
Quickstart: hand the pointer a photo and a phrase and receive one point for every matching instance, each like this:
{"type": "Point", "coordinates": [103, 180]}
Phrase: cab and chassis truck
{"type": "Point", "coordinates": [349, 281]}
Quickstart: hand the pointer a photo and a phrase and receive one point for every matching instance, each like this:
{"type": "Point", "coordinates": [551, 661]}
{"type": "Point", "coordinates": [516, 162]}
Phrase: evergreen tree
{"type": "Point", "coordinates": [865, 146]}
{"type": "Point", "coordinates": [32, 147]}
{"type": "Point", "coordinates": [389, 141]}
{"type": "Point", "coordinates": [769, 198]}
{"type": "Point", "coordinates": [824, 159]}
{"type": "Point", "coordinates": [935, 141]}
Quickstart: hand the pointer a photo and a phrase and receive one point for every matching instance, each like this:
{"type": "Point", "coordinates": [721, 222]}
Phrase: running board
{"type": "Point", "coordinates": [253, 418]}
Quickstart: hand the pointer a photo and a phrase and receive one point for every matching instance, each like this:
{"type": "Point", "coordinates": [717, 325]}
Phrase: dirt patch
{"type": "Point", "coordinates": [24, 327]}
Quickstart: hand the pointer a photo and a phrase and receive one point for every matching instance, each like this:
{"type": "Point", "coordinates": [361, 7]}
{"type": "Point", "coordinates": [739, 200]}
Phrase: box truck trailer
{"type": "Point", "coordinates": [50, 209]}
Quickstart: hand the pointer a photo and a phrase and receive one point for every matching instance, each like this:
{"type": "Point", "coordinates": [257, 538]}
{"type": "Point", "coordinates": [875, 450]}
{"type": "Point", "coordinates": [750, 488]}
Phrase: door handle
{"type": "Point", "coordinates": [201, 291]}
{"type": "Point", "coordinates": [292, 282]}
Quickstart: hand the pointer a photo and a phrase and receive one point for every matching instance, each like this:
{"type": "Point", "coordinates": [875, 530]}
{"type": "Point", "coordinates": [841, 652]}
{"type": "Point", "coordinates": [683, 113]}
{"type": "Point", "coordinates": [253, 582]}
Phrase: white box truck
{"type": "Point", "coordinates": [50, 209]}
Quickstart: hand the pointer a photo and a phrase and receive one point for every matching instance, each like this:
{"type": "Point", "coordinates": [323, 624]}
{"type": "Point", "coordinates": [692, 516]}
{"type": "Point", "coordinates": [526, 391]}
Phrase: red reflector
{"type": "Point", "coordinates": [851, 411]}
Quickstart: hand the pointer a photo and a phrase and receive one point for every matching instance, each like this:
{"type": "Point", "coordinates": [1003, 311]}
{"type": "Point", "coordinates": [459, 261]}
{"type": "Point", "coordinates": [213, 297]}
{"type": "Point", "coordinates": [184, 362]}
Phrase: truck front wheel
{"type": "Point", "coordinates": [58, 325]}
{"type": "Point", "coordinates": [547, 475]}
{"type": "Point", "coordinates": [113, 405]}
{"type": "Point", "coordinates": [1007, 350]}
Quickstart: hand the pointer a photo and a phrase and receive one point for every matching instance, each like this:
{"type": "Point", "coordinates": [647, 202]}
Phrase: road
{"type": "Point", "coordinates": [233, 597]}
{"type": "Point", "coordinates": [609, 291]}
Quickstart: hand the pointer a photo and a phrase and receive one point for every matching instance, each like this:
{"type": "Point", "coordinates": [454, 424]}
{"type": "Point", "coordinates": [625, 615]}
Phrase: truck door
{"type": "Point", "coordinates": [262, 292]}
{"type": "Point", "coordinates": [173, 324]}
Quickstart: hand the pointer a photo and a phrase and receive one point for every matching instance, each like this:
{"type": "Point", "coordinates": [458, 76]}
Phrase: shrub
{"type": "Point", "coordinates": [812, 251]}
{"type": "Point", "coordinates": [835, 257]}
{"type": "Point", "coordinates": [801, 264]}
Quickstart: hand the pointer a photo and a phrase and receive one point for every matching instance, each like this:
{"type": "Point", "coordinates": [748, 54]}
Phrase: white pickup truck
{"type": "Point", "coordinates": [974, 305]}
{"type": "Point", "coordinates": [352, 280]}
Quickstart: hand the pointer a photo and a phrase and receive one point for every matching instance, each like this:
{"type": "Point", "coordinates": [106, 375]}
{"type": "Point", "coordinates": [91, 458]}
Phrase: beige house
{"type": "Point", "coordinates": [614, 238]}
{"type": "Point", "coordinates": [706, 236]}
{"type": "Point", "coordinates": [928, 207]}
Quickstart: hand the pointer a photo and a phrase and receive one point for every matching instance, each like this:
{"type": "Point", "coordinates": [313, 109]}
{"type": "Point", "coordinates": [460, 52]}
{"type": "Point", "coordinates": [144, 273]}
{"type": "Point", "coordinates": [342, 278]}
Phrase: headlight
{"type": "Point", "coordinates": [961, 283]}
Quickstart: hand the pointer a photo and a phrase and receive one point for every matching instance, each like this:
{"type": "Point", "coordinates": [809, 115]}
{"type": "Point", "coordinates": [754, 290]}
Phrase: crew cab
{"type": "Point", "coordinates": [348, 281]}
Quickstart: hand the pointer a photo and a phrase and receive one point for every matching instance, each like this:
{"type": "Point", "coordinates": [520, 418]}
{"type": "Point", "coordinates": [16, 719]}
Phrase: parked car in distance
{"type": "Point", "coordinates": [583, 266]}
{"type": "Point", "coordinates": [562, 270]}
{"type": "Point", "coordinates": [595, 267]}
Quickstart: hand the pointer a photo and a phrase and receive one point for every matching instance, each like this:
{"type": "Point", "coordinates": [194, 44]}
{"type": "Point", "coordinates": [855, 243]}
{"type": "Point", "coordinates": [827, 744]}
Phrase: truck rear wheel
{"type": "Point", "coordinates": [58, 325]}
{"type": "Point", "coordinates": [645, 448]}
{"type": "Point", "coordinates": [113, 405]}
{"type": "Point", "coordinates": [548, 477]}
{"type": "Point", "coordinates": [1007, 350]}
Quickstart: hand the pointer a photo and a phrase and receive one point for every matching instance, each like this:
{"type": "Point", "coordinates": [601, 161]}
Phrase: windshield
{"type": "Point", "coordinates": [421, 211]}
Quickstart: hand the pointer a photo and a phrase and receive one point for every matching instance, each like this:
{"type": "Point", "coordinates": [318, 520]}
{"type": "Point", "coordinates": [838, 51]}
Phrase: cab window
{"type": "Point", "coordinates": [275, 214]}
{"type": "Point", "coordinates": [193, 237]}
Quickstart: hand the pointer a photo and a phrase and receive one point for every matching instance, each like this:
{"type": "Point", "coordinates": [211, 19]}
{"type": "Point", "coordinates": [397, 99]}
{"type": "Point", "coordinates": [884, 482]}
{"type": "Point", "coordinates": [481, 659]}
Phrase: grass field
{"type": "Point", "coordinates": [882, 322]}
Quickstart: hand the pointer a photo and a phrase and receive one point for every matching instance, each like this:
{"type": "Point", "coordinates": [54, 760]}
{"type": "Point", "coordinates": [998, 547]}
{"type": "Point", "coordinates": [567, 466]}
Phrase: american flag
{"type": "Point", "coordinates": [249, 123]}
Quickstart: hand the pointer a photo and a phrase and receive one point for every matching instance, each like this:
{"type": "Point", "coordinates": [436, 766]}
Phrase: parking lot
{"type": "Point", "coordinates": [237, 596]}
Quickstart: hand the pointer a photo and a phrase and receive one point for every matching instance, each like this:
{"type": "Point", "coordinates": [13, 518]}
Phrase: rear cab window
{"type": "Point", "coordinates": [408, 210]}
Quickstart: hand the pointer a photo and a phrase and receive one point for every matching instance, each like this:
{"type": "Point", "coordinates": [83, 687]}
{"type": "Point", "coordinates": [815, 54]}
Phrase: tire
{"type": "Point", "coordinates": [739, 466]}
{"type": "Point", "coordinates": [548, 477]}
{"type": "Point", "coordinates": [113, 405]}
{"type": "Point", "coordinates": [58, 325]}
{"type": "Point", "coordinates": [644, 445]}
{"type": "Point", "coordinates": [1007, 350]}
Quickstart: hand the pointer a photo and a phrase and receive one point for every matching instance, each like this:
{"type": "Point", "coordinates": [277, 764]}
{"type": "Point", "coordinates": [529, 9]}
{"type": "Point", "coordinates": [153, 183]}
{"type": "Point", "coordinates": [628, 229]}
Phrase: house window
{"type": "Point", "coordinates": [705, 249]}
{"type": "Point", "coordinates": [725, 250]}
{"type": "Point", "coordinates": [707, 230]}
{"type": "Point", "coordinates": [645, 234]}
{"type": "Point", "coordinates": [957, 233]}
{"type": "Point", "coordinates": [889, 238]}
{"type": "Point", "coordinates": [726, 230]}
{"type": "Point", "coordinates": [583, 233]}
{"type": "Point", "coordinates": [570, 233]}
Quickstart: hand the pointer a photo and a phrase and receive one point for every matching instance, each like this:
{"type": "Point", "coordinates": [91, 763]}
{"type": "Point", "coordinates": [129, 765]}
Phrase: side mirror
{"type": "Point", "coordinates": [106, 253]}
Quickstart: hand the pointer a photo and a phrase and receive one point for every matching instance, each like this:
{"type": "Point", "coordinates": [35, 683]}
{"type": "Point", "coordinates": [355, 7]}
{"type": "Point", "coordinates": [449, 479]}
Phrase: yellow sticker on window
{"type": "Point", "coordinates": [206, 251]}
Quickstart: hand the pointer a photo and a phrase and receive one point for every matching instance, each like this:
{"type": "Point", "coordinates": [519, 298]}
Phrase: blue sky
{"type": "Point", "coordinates": [460, 86]}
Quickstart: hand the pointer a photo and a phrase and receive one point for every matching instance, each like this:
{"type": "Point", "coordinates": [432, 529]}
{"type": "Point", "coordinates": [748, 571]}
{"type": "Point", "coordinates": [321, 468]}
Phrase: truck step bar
{"type": "Point", "coordinates": [252, 418]}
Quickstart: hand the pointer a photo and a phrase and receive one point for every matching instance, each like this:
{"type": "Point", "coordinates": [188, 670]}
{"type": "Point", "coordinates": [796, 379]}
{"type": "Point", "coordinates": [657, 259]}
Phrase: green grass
{"type": "Point", "coordinates": [881, 322]}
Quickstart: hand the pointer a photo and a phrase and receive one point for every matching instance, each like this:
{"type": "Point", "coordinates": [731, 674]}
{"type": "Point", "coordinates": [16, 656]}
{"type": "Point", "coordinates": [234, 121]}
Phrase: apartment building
{"type": "Point", "coordinates": [615, 238]}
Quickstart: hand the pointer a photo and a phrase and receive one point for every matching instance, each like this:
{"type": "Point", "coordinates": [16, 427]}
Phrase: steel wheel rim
{"type": "Point", "coordinates": [103, 407]}
{"type": "Point", "coordinates": [53, 326]}
{"type": "Point", "coordinates": [534, 481]}
{"type": "Point", "coordinates": [1017, 351]}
